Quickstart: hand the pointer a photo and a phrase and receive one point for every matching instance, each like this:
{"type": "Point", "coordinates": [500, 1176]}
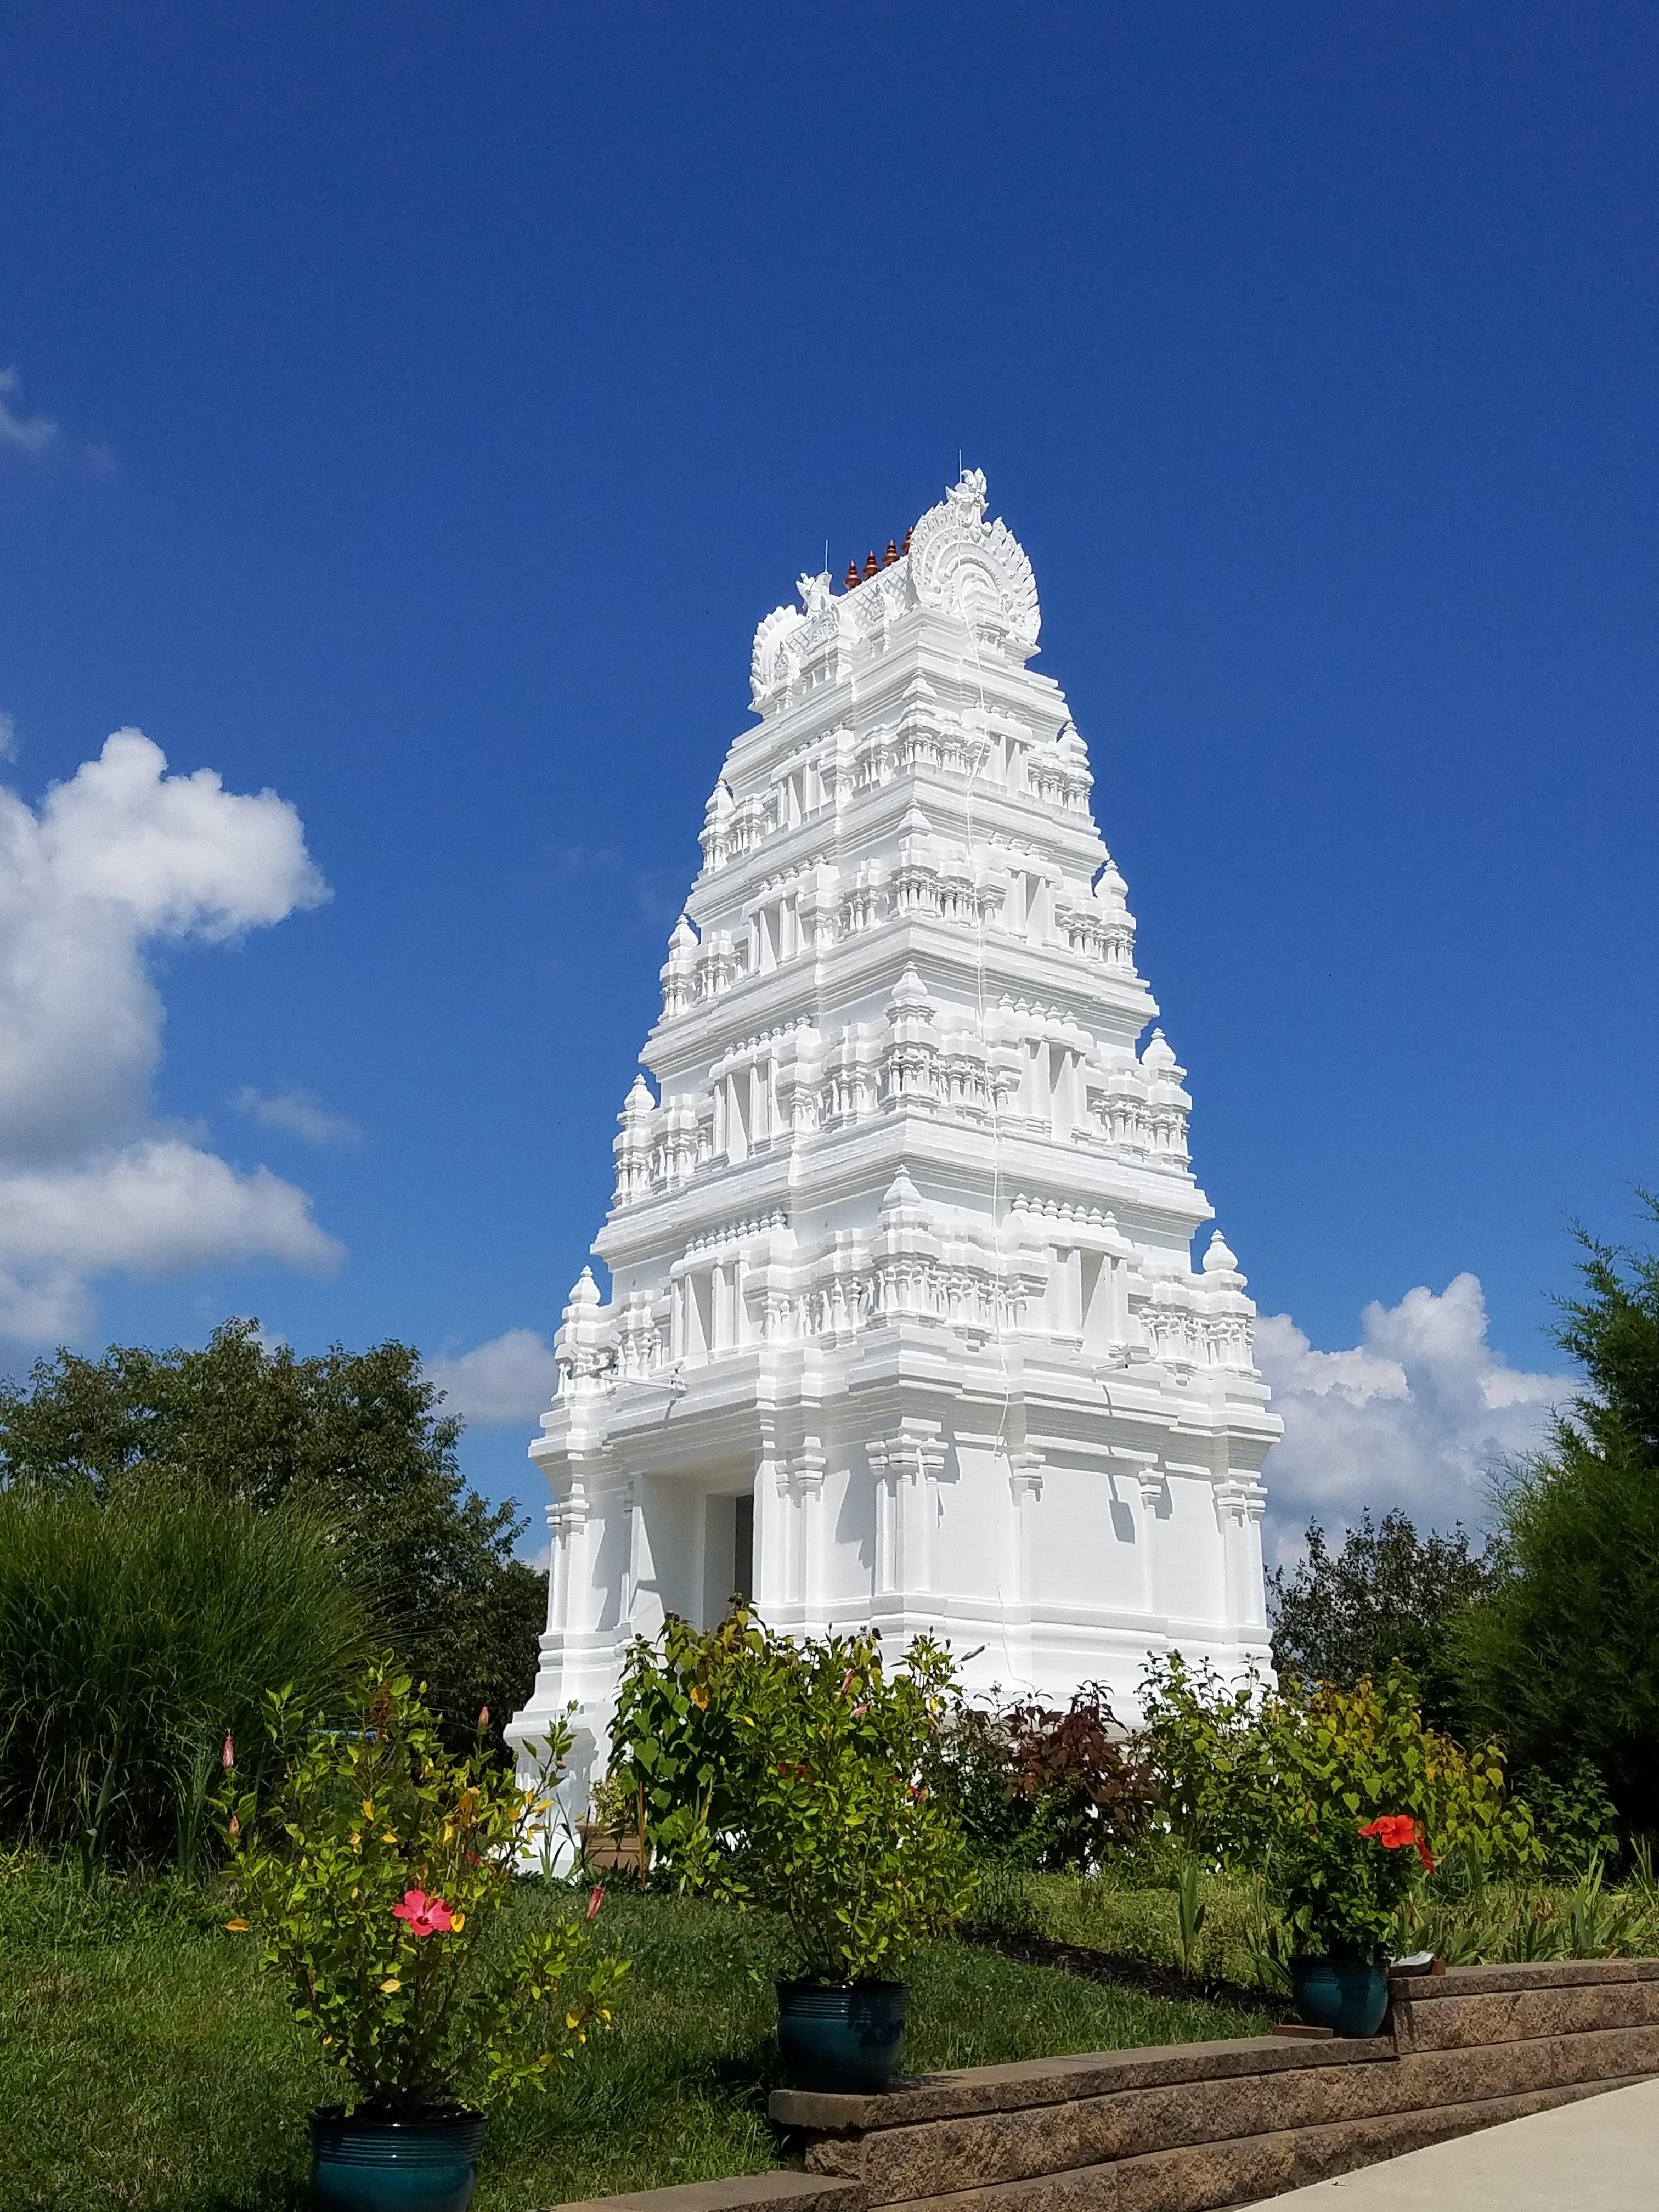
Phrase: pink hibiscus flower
{"type": "Point", "coordinates": [426, 1916]}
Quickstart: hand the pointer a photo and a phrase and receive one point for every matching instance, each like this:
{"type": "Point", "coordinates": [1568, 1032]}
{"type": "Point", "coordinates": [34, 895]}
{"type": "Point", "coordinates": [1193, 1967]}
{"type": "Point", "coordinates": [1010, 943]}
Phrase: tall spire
{"type": "Point", "coordinates": [900, 1251]}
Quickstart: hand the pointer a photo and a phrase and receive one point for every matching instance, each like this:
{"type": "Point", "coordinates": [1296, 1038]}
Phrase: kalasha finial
{"type": "Point", "coordinates": [852, 579]}
{"type": "Point", "coordinates": [870, 564]}
{"type": "Point", "coordinates": [890, 555]}
{"type": "Point", "coordinates": [905, 548]}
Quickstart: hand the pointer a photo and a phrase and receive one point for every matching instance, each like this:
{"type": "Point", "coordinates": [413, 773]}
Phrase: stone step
{"type": "Point", "coordinates": [988, 2148]}
{"type": "Point", "coordinates": [1206, 2177]}
{"type": "Point", "coordinates": [1432, 2022]}
{"type": "Point", "coordinates": [1033, 2082]}
{"type": "Point", "coordinates": [738, 2193]}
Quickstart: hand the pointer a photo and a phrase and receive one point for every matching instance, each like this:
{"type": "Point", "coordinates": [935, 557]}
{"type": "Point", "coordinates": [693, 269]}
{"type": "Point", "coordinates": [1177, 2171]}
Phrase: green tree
{"type": "Point", "coordinates": [1388, 1595]}
{"type": "Point", "coordinates": [1562, 1654]}
{"type": "Point", "coordinates": [355, 1440]}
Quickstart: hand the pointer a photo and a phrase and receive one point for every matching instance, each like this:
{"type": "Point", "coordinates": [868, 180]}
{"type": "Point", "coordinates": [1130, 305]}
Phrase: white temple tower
{"type": "Point", "coordinates": [903, 1329]}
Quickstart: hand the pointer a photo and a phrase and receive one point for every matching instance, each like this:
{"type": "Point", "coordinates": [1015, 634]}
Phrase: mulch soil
{"type": "Point", "coordinates": [1113, 1967]}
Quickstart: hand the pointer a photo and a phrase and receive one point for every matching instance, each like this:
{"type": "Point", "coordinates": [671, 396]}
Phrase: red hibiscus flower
{"type": "Point", "coordinates": [1395, 1831]}
{"type": "Point", "coordinates": [426, 1916]}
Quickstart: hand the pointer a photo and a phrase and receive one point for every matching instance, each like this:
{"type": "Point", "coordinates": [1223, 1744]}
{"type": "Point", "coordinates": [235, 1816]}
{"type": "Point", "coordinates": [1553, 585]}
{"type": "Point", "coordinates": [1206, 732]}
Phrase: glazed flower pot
{"type": "Point", "coordinates": [360, 2164]}
{"type": "Point", "coordinates": [840, 2038]}
{"type": "Point", "coordinates": [1349, 1996]}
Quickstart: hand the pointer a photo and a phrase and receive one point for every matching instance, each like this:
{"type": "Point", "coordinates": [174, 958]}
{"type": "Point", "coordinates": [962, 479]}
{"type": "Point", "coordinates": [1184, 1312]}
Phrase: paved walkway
{"type": "Point", "coordinates": [1602, 2155]}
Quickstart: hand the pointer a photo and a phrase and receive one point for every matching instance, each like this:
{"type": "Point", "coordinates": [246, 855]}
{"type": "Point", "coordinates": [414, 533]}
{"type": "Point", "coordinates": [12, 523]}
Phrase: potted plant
{"type": "Point", "coordinates": [1344, 1855]}
{"type": "Point", "coordinates": [843, 1837]}
{"type": "Point", "coordinates": [371, 1881]}
{"type": "Point", "coordinates": [1342, 1884]}
{"type": "Point", "coordinates": [1332, 1797]}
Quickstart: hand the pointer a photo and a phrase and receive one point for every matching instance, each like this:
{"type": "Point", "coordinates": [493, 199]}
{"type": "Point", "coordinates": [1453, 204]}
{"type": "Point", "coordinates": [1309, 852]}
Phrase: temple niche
{"type": "Point", "coordinates": [903, 1327]}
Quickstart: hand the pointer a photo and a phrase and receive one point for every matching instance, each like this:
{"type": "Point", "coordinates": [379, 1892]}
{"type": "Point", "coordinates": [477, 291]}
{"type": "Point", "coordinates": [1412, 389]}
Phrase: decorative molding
{"type": "Point", "coordinates": [914, 1450]}
{"type": "Point", "coordinates": [1025, 1474]}
{"type": "Point", "coordinates": [962, 565]}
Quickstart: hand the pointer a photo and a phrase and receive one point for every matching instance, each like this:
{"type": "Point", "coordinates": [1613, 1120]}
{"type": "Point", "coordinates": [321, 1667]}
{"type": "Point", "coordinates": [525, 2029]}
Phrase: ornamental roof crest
{"type": "Point", "coordinates": [962, 565]}
{"type": "Point", "coordinates": [957, 564]}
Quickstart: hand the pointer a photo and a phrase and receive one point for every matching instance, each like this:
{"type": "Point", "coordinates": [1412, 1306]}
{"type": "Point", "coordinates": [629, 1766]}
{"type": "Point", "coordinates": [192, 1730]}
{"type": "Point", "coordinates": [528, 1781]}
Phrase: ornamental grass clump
{"type": "Point", "coordinates": [370, 1880]}
{"type": "Point", "coordinates": [131, 1635]}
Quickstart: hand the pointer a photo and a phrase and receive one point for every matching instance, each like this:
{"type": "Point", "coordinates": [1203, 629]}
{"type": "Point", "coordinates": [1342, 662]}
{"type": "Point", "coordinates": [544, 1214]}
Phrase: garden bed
{"type": "Point", "coordinates": [1117, 1969]}
{"type": "Point", "coordinates": [143, 2066]}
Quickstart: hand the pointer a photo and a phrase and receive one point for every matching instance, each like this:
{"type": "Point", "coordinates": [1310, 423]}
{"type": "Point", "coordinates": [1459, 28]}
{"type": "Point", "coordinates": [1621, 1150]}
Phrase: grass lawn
{"type": "Point", "coordinates": [1488, 1921]}
{"type": "Point", "coordinates": [1104, 1914]}
{"type": "Point", "coordinates": [142, 2064]}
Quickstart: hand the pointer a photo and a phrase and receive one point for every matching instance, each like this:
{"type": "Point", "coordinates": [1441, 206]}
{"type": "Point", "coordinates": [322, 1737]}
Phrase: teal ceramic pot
{"type": "Point", "coordinates": [844, 2039]}
{"type": "Point", "coordinates": [359, 2163]}
{"type": "Point", "coordinates": [1345, 1994]}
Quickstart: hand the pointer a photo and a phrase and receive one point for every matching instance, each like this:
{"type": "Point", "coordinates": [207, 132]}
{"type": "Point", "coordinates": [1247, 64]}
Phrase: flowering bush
{"type": "Point", "coordinates": [842, 1834]}
{"type": "Point", "coordinates": [1229, 1761]}
{"type": "Point", "coordinates": [371, 1880]}
{"type": "Point", "coordinates": [1397, 1832]}
{"type": "Point", "coordinates": [1341, 1799]}
{"type": "Point", "coordinates": [799, 1777]}
{"type": "Point", "coordinates": [1342, 1885]}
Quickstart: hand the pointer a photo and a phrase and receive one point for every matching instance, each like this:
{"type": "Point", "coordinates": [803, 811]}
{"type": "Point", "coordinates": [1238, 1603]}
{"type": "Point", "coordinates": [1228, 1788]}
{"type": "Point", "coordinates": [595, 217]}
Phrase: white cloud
{"type": "Point", "coordinates": [297, 1112]}
{"type": "Point", "coordinates": [154, 1208]}
{"type": "Point", "coordinates": [1419, 1414]}
{"type": "Point", "coordinates": [120, 857]}
{"type": "Point", "coordinates": [8, 737]}
{"type": "Point", "coordinates": [22, 433]}
{"type": "Point", "coordinates": [507, 1382]}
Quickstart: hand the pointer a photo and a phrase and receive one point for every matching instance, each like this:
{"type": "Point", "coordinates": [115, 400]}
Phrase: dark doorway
{"type": "Point", "coordinates": [743, 1548]}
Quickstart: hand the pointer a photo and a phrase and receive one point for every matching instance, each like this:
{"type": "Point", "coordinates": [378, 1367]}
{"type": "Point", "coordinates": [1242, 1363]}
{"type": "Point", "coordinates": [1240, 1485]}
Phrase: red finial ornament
{"type": "Point", "coordinates": [890, 555]}
{"type": "Point", "coordinates": [870, 564]}
{"type": "Point", "coordinates": [905, 548]}
{"type": "Point", "coordinates": [852, 579]}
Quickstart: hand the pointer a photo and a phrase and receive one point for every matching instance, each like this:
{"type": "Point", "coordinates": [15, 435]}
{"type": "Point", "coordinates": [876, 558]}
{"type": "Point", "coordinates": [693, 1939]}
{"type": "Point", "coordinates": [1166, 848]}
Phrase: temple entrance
{"type": "Point", "coordinates": [728, 1553]}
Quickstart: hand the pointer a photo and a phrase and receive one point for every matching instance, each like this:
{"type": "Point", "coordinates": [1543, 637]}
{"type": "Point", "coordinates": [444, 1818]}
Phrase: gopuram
{"type": "Point", "coordinates": [903, 1327]}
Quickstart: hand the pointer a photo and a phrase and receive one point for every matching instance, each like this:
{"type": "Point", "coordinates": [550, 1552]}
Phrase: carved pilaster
{"type": "Point", "coordinates": [906, 1465]}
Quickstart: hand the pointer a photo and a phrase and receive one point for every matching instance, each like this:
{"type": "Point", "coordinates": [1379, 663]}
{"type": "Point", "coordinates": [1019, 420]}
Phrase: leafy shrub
{"type": "Point", "coordinates": [1042, 1789]}
{"type": "Point", "coordinates": [677, 1748]}
{"type": "Point", "coordinates": [131, 1638]}
{"type": "Point", "coordinates": [371, 1879]}
{"type": "Point", "coordinates": [799, 1777]}
{"type": "Point", "coordinates": [1332, 1797]}
{"type": "Point", "coordinates": [1209, 1753]}
{"type": "Point", "coordinates": [841, 1834]}
{"type": "Point", "coordinates": [1234, 1764]}
{"type": "Point", "coordinates": [1577, 1821]}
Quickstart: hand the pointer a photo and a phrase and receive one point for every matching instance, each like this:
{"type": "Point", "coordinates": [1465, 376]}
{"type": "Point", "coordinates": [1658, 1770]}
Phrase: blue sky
{"type": "Point", "coordinates": [412, 410]}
